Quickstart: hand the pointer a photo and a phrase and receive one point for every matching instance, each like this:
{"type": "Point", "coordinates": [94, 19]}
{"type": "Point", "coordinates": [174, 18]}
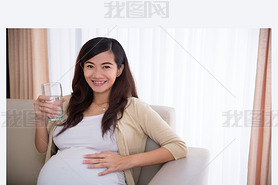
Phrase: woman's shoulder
{"type": "Point", "coordinates": [134, 100]}
{"type": "Point", "coordinates": [136, 104]}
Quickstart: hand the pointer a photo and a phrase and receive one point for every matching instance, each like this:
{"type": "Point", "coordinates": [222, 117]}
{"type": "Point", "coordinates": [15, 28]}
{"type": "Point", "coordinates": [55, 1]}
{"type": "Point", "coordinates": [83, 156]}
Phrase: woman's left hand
{"type": "Point", "coordinates": [110, 160]}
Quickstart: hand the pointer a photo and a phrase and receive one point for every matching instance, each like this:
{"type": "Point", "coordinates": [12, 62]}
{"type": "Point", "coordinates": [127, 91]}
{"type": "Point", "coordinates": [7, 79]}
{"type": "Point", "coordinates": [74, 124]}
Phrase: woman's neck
{"type": "Point", "coordinates": [101, 98]}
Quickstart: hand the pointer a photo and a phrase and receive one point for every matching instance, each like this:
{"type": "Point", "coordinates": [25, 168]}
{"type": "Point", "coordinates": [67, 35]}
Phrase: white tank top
{"type": "Point", "coordinates": [66, 166]}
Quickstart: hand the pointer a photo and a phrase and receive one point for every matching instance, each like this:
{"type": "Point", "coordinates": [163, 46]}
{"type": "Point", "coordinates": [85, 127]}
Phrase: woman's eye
{"type": "Point", "coordinates": [89, 66]}
{"type": "Point", "coordinates": [106, 67]}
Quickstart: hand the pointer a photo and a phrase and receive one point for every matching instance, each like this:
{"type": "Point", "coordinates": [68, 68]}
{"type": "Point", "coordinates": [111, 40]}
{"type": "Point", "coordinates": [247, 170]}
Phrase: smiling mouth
{"type": "Point", "coordinates": [98, 83]}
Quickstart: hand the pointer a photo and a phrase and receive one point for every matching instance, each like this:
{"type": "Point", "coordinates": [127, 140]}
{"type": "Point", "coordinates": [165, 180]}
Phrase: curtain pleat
{"type": "Point", "coordinates": [28, 62]}
{"type": "Point", "coordinates": [259, 171]}
{"type": "Point", "coordinates": [39, 59]}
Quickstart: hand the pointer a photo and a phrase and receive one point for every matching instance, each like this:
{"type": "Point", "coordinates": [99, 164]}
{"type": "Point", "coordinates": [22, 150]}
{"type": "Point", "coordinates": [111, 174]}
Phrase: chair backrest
{"type": "Point", "coordinates": [23, 160]}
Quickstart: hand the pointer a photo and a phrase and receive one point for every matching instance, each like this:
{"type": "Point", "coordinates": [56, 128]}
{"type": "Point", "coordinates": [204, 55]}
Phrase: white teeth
{"type": "Point", "coordinates": [98, 82]}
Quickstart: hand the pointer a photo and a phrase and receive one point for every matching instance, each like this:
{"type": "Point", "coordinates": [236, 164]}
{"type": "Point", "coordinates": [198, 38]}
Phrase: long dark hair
{"type": "Point", "coordinates": [82, 95]}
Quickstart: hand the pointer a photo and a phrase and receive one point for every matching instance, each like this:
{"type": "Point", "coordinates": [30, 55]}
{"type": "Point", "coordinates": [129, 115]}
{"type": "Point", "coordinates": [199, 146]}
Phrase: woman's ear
{"type": "Point", "coordinates": [119, 71]}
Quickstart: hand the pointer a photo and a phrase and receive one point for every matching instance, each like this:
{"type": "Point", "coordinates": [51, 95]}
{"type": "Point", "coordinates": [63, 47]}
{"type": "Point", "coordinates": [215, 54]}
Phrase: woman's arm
{"type": "Point", "coordinates": [157, 156]}
{"type": "Point", "coordinates": [41, 136]}
{"type": "Point", "coordinates": [172, 147]}
{"type": "Point", "coordinates": [114, 162]}
{"type": "Point", "coordinates": [42, 111]}
{"type": "Point", "coordinates": [159, 130]}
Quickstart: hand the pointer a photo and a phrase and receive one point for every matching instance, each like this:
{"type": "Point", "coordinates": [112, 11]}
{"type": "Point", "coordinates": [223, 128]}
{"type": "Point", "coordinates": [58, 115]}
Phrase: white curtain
{"type": "Point", "coordinates": [207, 75]}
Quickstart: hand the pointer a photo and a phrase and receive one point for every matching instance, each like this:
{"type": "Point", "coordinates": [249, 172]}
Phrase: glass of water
{"type": "Point", "coordinates": [53, 90]}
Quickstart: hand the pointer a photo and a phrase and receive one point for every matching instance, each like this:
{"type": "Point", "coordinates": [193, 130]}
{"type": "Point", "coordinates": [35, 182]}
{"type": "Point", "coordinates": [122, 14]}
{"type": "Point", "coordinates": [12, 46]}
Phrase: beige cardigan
{"type": "Point", "coordinates": [138, 122]}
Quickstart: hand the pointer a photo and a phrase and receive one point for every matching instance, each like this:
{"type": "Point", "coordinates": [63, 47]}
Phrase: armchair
{"type": "Point", "coordinates": [24, 162]}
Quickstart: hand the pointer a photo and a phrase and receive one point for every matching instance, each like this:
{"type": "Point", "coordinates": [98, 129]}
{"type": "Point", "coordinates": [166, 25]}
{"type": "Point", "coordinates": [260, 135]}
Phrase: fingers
{"type": "Point", "coordinates": [97, 160]}
{"type": "Point", "coordinates": [109, 160]}
{"type": "Point", "coordinates": [100, 165]}
{"type": "Point", "coordinates": [39, 114]}
{"type": "Point", "coordinates": [43, 108]}
{"type": "Point", "coordinates": [39, 102]}
{"type": "Point", "coordinates": [43, 98]}
{"type": "Point", "coordinates": [98, 155]}
{"type": "Point", "coordinates": [94, 161]}
{"type": "Point", "coordinates": [103, 165]}
{"type": "Point", "coordinates": [105, 172]}
{"type": "Point", "coordinates": [48, 108]}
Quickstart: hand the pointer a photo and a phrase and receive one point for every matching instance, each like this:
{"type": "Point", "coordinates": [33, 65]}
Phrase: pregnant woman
{"type": "Point", "coordinates": [102, 136]}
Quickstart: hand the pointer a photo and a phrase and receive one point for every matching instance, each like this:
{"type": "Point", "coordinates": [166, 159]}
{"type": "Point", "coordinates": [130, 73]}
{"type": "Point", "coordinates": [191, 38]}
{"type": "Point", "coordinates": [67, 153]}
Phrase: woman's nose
{"type": "Point", "coordinates": [97, 73]}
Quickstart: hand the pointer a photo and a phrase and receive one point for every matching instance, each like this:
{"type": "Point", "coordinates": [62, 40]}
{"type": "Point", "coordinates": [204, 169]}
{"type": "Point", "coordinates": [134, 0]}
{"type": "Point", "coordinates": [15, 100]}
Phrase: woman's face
{"type": "Point", "coordinates": [101, 72]}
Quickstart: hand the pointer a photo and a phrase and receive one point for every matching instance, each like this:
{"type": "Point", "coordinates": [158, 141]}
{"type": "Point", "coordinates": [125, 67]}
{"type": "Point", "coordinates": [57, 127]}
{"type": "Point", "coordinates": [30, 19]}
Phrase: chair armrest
{"type": "Point", "coordinates": [191, 170]}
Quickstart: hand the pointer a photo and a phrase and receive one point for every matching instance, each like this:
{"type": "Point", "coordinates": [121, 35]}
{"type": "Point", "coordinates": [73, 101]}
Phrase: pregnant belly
{"type": "Point", "coordinates": [66, 168]}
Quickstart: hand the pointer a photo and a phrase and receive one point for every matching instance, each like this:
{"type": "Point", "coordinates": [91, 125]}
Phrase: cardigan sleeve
{"type": "Point", "coordinates": [158, 130]}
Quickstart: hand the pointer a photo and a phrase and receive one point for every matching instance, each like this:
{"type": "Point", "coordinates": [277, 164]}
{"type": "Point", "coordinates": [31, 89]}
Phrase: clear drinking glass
{"type": "Point", "coordinates": [54, 91]}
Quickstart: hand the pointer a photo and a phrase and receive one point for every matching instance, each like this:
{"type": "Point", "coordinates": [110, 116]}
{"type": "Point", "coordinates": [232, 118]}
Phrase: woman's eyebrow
{"type": "Point", "coordinates": [105, 63]}
{"type": "Point", "coordinates": [89, 62]}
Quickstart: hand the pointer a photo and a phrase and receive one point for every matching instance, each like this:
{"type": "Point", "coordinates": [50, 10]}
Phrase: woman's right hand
{"type": "Point", "coordinates": [44, 109]}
